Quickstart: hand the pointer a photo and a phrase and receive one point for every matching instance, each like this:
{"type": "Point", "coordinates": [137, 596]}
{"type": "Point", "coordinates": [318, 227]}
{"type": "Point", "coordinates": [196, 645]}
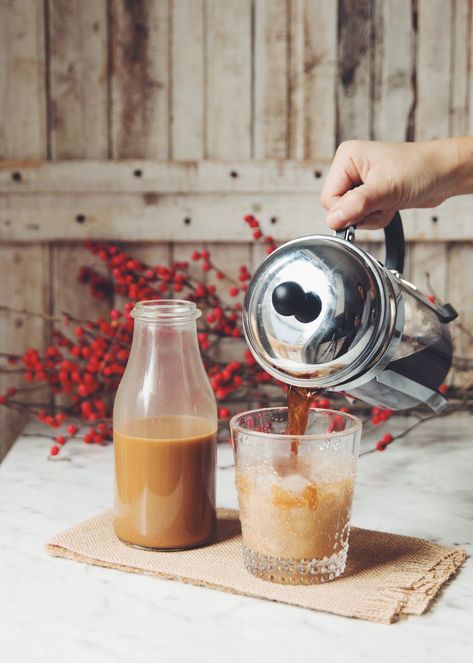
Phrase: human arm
{"type": "Point", "coordinates": [369, 181]}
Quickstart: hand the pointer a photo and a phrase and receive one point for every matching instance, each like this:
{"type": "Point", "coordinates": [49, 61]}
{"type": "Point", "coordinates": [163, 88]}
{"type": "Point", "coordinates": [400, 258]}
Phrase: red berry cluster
{"type": "Point", "coordinates": [87, 358]}
{"type": "Point", "coordinates": [227, 379]}
{"type": "Point", "coordinates": [258, 234]}
{"type": "Point", "coordinates": [130, 277]}
{"type": "Point", "coordinates": [6, 398]}
{"type": "Point", "coordinates": [86, 364]}
{"type": "Point", "coordinates": [384, 441]}
{"type": "Point", "coordinates": [207, 266]}
{"type": "Point", "coordinates": [379, 414]}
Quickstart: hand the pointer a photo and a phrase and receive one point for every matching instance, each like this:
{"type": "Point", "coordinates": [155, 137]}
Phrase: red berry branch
{"type": "Point", "coordinates": [79, 372]}
{"type": "Point", "coordinates": [388, 438]}
{"type": "Point", "coordinates": [86, 359]}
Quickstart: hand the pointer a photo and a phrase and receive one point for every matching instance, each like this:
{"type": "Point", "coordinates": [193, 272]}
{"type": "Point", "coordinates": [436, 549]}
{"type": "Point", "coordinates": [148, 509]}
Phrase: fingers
{"type": "Point", "coordinates": [376, 220]}
{"type": "Point", "coordinates": [357, 206]}
{"type": "Point", "coordinates": [367, 182]}
{"type": "Point", "coordinates": [337, 183]}
{"type": "Point", "coordinates": [343, 175]}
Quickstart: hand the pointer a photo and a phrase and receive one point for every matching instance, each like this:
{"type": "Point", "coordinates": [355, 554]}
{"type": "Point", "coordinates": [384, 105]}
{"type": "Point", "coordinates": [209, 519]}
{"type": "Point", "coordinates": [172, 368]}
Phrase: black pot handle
{"type": "Point", "coordinates": [394, 241]}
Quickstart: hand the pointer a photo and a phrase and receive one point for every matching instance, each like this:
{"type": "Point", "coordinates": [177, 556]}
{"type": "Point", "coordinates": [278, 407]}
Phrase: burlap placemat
{"type": "Point", "coordinates": [387, 575]}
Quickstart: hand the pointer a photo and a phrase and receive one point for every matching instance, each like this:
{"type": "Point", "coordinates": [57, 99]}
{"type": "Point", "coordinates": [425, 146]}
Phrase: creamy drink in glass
{"type": "Point", "coordinates": [295, 493]}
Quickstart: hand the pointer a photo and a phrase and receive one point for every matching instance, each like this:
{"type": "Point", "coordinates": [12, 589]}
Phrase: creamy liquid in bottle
{"type": "Point", "coordinates": [165, 481]}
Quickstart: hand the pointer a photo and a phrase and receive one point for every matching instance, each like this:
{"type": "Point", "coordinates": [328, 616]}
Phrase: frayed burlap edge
{"type": "Point", "coordinates": [414, 599]}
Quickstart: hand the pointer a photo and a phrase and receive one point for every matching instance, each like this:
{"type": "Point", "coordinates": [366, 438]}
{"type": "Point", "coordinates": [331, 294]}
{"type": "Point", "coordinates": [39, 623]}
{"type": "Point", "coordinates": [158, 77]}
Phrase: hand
{"type": "Point", "coordinates": [369, 181]}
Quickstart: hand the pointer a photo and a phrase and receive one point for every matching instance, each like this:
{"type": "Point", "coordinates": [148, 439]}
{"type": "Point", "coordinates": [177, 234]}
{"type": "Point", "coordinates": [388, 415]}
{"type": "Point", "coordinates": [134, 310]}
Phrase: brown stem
{"type": "Point", "coordinates": [66, 318]}
{"type": "Point", "coordinates": [418, 423]}
{"type": "Point", "coordinates": [11, 371]}
{"type": "Point", "coordinates": [31, 387]}
{"type": "Point", "coordinates": [31, 314]}
{"type": "Point", "coordinates": [430, 287]}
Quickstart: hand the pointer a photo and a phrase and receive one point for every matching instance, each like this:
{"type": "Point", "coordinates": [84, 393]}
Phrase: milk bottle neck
{"type": "Point", "coordinates": [165, 336]}
{"type": "Point", "coordinates": [165, 374]}
{"type": "Point", "coordinates": [153, 338]}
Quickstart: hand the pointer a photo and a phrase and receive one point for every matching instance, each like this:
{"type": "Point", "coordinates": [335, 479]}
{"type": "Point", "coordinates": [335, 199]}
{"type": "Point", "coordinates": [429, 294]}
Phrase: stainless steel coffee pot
{"type": "Point", "coordinates": [322, 312]}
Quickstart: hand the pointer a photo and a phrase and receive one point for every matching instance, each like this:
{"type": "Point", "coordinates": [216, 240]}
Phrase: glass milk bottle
{"type": "Point", "coordinates": [165, 430]}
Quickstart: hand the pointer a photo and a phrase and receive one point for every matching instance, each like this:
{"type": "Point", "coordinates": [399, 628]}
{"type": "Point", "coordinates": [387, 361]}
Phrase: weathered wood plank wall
{"type": "Point", "coordinates": [23, 131]}
{"type": "Point", "coordinates": [251, 97]}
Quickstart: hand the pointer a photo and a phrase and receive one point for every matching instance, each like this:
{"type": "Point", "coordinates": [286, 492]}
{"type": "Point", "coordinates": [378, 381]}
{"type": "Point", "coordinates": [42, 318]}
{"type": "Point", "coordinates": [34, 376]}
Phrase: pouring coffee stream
{"type": "Point", "coordinates": [299, 402]}
{"type": "Point", "coordinates": [322, 313]}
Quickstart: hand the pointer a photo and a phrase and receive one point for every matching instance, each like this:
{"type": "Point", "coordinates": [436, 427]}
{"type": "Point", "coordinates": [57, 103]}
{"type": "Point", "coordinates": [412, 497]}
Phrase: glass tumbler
{"type": "Point", "coordinates": [295, 493]}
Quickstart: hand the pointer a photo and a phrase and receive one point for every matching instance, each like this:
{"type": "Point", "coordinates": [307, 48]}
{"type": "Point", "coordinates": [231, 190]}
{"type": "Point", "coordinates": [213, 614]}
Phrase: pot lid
{"type": "Point", "coordinates": [316, 311]}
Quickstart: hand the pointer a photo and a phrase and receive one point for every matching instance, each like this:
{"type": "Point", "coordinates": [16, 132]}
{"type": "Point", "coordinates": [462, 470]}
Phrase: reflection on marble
{"type": "Point", "coordinates": [59, 610]}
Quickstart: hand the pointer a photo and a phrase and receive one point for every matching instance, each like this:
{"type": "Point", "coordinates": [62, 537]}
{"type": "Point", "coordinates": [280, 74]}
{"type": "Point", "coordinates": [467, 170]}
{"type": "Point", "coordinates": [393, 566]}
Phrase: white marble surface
{"type": "Point", "coordinates": [57, 610]}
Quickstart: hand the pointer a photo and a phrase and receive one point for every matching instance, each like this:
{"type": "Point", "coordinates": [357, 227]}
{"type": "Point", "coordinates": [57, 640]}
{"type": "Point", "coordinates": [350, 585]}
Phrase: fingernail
{"type": "Point", "coordinates": [336, 217]}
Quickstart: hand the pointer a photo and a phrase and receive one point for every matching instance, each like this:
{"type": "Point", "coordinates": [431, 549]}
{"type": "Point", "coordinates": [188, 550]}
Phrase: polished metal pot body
{"type": "Point", "coordinates": [370, 333]}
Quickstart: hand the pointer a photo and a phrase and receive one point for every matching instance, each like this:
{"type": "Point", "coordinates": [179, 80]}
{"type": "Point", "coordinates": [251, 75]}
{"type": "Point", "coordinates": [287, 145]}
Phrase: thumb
{"type": "Point", "coordinates": [354, 206]}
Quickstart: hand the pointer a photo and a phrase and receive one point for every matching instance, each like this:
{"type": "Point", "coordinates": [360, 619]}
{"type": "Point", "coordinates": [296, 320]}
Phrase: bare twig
{"type": "Point", "coordinates": [421, 421]}
{"type": "Point", "coordinates": [62, 320]}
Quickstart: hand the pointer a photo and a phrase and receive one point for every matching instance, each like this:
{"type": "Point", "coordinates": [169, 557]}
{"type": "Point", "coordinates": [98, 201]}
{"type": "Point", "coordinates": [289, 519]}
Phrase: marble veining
{"type": "Point", "coordinates": [56, 610]}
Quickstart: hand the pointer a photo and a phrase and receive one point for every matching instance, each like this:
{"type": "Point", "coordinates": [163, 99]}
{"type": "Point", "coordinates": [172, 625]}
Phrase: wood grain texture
{"type": "Point", "coordinates": [25, 268]}
{"type": "Point", "coordinates": [458, 265]}
{"type": "Point", "coordinates": [229, 257]}
{"type": "Point", "coordinates": [78, 65]}
{"type": "Point", "coordinates": [24, 285]}
{"type": "Point", "coordinates": [78, 79]}
{"type": "Point", "coordinates": [217, 216]}
{"type": "Point", "coordinates": [394, 70]}
{"type": "Point", "coordinates": [320, 68]}
{"type": "Point", "coordinates": [470, 71]}
{"type": "Point", "coordinates": [434, 53]}
{"type": "Point", "coordinates": [161, 176]}
{"type": "Point", "coordinates": [228, 75]}
{"type": "Point", "coordinates": [200, 103]}
{"type": "Point", "coordinates": [459, 71]}
{"type": "Point", "coordinates": [258, 253]}
{"type": "Point", "coordinates": [312, 110]}
{"type": "Point", "coordinates": [296, 78]}
{"type": "Point", "coordinates": [68, 295]}
{"type": "Point", "coordinates": [270, 80]}
{"type": "Point", "coordinates": [355, 63]}
{"type": "Point", "coordinates": [188, 84]}
{"type": "Point", "coordinates": [427, 268]}
{"type": "Point", "coordinates": [140, 33]}
{"type": "Point", "coordinates": [22, 80]}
